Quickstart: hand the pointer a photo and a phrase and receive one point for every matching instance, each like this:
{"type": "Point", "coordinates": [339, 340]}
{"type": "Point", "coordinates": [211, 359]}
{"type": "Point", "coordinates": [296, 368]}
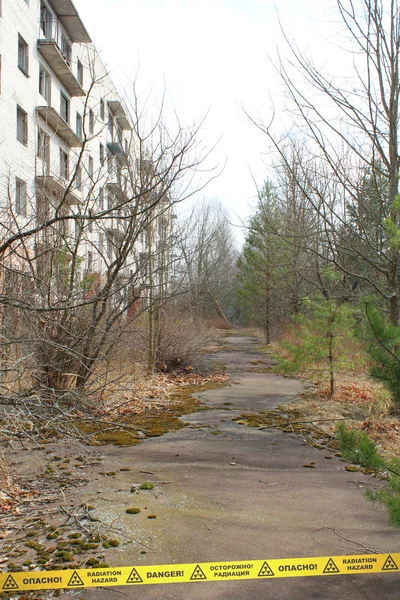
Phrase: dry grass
{"type": "Point", "coordinates": [362, 402]}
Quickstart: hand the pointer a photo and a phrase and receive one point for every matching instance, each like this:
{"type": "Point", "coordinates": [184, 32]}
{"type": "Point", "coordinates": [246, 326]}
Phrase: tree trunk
{"type": "Point", "coordinates": [218, 308]}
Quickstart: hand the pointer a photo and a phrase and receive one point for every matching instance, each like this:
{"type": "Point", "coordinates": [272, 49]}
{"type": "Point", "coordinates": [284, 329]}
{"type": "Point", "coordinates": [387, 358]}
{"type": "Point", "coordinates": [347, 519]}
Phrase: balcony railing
{"type": "Point", "coordinates": [57, 123]}
{"type": "Point", "coordinates": [56, 49]}
{"type": "Point", "coordinates": [51, 30]}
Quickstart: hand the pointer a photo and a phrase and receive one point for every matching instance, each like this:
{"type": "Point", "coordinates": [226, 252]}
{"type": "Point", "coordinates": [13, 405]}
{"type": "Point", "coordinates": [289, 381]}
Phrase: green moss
{"type": "Point", "coordinates": [88, 545]}
{"type": "Point", "coordinates": [95, 562]}
{"type": "Point", "coordinates": [154, 422]}
{"type": "Point", "coordinates": [64, 556]}
{"type": "Point", "coordinates": [111, 544]}
{"type": "Point", "coordinates": [34, 546]}
{"type": "Point", "coordinates": [74, 536]}
{"type": "Point", "coordinates": [132, 511]}
{"type": "Point", "coordinates": [151, 516]}
{"type": "Point", "coordinates": [147, 485]}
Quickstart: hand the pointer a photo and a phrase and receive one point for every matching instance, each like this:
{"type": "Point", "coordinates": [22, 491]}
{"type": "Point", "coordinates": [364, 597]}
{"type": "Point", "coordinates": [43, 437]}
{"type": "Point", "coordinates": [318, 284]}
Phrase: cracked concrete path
{"type": "Point", "coordinates": [235, 493]}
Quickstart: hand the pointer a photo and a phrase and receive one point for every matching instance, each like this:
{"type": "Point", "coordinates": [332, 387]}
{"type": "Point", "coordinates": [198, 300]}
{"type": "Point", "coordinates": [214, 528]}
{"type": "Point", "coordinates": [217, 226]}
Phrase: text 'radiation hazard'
{"type": "Point", "coordinates": [203, 572]}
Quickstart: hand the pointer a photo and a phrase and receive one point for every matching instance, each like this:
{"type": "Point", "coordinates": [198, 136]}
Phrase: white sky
{"type": "Point", "coordinates": [212, 55]}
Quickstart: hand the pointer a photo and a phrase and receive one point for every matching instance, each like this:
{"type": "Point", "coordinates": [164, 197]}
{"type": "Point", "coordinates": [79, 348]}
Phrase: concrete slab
{"type": "Point", "coordinates": [230, 492]}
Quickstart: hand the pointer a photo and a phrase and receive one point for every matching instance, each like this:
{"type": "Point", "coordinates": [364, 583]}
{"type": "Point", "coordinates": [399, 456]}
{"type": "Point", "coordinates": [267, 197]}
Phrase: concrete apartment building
{"type": "Point", "coordinates": [58, 109]}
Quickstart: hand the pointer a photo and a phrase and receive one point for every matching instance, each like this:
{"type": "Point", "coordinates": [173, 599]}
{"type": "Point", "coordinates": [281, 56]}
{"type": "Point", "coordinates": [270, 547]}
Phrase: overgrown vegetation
{"type": "Point", "coordinates": [321, 341]}
{"type": "Point", "coordinates": [384, 348]}
{"type": "Point", "coordinates": [358, 448]}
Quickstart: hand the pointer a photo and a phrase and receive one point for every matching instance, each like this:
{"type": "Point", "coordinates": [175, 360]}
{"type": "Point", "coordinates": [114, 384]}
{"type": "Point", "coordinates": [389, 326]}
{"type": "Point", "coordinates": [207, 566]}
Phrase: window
{"type": "Point", "coordinates": [111, 123]}
{"type": "Point", "coordinates": [20, 197]}
{"type": "Point", "coordinates": [23, 55]}
{"type": "Point", "coordinates": [102, 109]}
{"type": "Point", "coordinates": [79, 126]}
{"type": "Point", "coordinates": [109, 248]}
{"type": "Point", "coordinates": [101, 153]}
{"type": "Point", "coordinates": [90, 261]}
{"type": "Point", "coordinates": [91, 121]}
{"type": "Point", "coordinates": [45, 21]}
{"type": "Point", "coordinates": [63, 226]}
{"type": "Point", "coordinates": [64, 164]}
{"type": "Point", "coordinates": [90, 167]}
{"type": "Point", "coordinates": [64, 107]}
{"type": "Point", "coordinates": [101, 199]}
{"type": "Point", "coordinates": [66, 49]}
{"type": "Point", "coordinates": [79, 72]}
{"type": "Point", "coordinates": [110, 164]}
{"type": "Point", "coordinates": [43, 150]}
{"type": "Point", "coordinates": [78, 178]}
{"type": "Point", "coordinates": [22, 126]}
{"type": "Point", "coordinates": [44, 84]}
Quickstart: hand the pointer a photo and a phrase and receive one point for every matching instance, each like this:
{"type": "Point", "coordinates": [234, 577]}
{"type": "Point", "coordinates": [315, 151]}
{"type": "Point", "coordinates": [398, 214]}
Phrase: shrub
{"type": "Point", "coordinates": [182, 340]}
{"type": "Point", "coordinates": [357, 447]}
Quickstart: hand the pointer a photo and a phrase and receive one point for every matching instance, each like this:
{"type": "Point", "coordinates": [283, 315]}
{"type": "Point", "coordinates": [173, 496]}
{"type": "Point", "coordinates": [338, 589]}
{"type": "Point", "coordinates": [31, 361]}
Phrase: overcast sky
{"type": "Point", "coordinates": [213, 56]}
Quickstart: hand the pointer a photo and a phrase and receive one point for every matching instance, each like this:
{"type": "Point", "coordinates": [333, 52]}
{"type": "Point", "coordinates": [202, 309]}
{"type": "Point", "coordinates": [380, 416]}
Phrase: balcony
{"type": "Point", "coordinates": [50, 185]}
{"type": "Point", "coordinates": [115, 234]}
{"type": "Point", "coordinates": [71, 21]}
{"type": "Point", "coordinates": [120, 115]}
{"type": "Point", "coordinates": [58, 61]}
{"type": "Point", "coordinates": [61, 127]}
{"type": "Point", "coordinates": [115, 148]}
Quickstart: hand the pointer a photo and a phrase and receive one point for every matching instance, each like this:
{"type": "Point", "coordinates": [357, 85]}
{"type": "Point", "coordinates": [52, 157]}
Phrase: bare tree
{"type": "Point", "coordinates": [208, 253]}
{"type": "Point", "coordinates": [350, 128]}
{"type": "Point", "coordinates": [91, 250]}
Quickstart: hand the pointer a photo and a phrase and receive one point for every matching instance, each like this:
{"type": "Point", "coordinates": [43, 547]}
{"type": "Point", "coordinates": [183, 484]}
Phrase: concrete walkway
{"type": "Point", "coordinates": [235, 493]}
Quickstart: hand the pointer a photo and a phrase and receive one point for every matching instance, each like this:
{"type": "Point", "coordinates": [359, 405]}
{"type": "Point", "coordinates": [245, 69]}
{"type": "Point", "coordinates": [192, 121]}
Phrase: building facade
{"type": "Point", "coordinates": [68, 153]}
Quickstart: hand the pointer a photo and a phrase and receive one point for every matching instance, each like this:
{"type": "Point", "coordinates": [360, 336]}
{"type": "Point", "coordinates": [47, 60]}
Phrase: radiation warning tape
{"type": "Point", "coordinates": [210, 571]}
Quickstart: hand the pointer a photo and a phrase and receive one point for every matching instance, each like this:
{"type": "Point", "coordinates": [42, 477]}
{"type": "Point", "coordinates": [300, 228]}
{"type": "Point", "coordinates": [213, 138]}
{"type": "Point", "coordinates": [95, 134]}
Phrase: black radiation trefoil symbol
{"type": "Point", "coordinates": [75, 580]}
{"type": "Point", "coordinates": [134, 577]}
{"type": "Point", "coordinates": [10, 584]}
{"type": "Point", "coordinates": [266, 571]}
{"type": "Point", "coordinates": [331, 567]}
{"type": "Point", "coordinates": [390, 565]}
{"type": "Point", "coordinates": [197, 574]}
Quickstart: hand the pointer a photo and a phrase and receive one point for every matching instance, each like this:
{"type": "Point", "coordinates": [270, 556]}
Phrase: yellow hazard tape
{"type": "Point", "coordinates": [211, 571]}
